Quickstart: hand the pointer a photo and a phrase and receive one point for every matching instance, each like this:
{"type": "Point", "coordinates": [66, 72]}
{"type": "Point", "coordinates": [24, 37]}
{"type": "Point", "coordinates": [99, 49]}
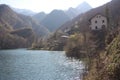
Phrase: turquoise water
{"type": "Point", "coordinates": [21, 64]}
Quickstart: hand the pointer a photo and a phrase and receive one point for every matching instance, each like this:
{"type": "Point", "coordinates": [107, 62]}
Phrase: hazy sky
{"type": "Point", "coordinates": [48, 5]}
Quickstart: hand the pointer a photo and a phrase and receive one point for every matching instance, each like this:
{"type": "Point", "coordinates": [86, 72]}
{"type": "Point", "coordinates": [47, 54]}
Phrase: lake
{"type": "Point", "coordinates": [22, 64]}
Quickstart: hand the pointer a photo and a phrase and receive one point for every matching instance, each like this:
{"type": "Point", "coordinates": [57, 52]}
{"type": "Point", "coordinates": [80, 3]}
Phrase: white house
{"type": "Point", "coordinates": [98, 22]}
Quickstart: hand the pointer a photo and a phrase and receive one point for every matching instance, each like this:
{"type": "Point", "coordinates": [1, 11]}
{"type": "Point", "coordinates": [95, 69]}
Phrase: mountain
{"type": "Point", "coordinates": [72, 12]}
{"type": "Point", "coordinates": [55, 19]}
{"type": "Point", "coordinates": [17, 30]}
{"type": "Point", "coordinates": [24, 11]}
{"type": "Point", "coordinates": [17, 21]}
{"type": "Point", "coordinates": [39, 16]}
{"type": "Point", "coordinates": [110, 10]}
{"type": "Point", "coordinates": [83, 19]}
{"type": "Point", "coordinates": [81, 8]}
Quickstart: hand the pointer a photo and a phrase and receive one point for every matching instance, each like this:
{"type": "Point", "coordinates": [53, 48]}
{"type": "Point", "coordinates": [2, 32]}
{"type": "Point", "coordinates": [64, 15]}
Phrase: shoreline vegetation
{"type": "Point", "coordinates": [99, 50]}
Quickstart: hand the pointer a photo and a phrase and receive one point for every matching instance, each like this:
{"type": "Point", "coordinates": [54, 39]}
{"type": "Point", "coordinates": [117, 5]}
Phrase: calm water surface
{"type": "Point", "coordinates": [21, 64]}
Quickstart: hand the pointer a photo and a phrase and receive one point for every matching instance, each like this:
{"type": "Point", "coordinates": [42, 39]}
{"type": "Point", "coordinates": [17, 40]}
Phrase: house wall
{"type": "Point", "coordinates": [98, 22]}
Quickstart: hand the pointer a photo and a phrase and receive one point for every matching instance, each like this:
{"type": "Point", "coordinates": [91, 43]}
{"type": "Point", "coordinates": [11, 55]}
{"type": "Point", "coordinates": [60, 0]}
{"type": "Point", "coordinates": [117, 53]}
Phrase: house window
{"type": "Point", "coordinates": [90, 28]}
{"type": "Point", "coordinates": [96, 27]}
{"type": "Point", "coordinates": [103, 26]}
{"type": "Point", "coordinates": [95, 21]}
{"type": "Point", "coordinates": [103, 21]}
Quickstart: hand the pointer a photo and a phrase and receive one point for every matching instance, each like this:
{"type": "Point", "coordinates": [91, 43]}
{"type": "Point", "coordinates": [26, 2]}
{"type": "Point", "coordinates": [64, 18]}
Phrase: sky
{"type": "Point", "coordinates": [48, 5]}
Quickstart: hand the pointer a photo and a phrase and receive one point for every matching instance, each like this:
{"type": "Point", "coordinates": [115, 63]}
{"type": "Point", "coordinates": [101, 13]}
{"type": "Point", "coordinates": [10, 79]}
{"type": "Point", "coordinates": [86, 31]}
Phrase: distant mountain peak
{"type": "Point", "coordinates": [56, 11]}
{"type": "Point", "coordinates": [83, 5]}
{"type": "Point", "coordinates": [70, 9]}
{"type": "Point", "coordinates": [39, 16]}
{"type": "Point", "coordinates": [42, 13]}
{"type": "Point", "coordinates": [84, 2]}
{"type": "Point", "coordinates": [81, 8]}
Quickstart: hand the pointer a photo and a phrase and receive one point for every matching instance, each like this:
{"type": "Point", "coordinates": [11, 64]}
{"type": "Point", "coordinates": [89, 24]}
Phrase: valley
{"type": "Point", "coordinates": [90, 35]}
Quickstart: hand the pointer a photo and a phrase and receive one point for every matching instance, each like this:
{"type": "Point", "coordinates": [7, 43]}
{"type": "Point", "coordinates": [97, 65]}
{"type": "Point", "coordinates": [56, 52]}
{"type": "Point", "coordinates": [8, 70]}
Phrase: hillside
{"type": "Point", "coordinates": [17, 30]}
{"type": "Point", "coordinates": [16, 21]}
{"type": "Point", "coordinates": [100, 48]}
{"type": "Point", "coordinates": [111, 10]}
{"type": "Point", "coordinates": [24, 11]}
{"type": "Point", "coordinates": [83, 19]}
{"type": "Point", "coordinates": [22, 38]}
{"type": "Point", "coordinates": [107, 66]}
{"type": "Point", "coordinates": [55, 19]}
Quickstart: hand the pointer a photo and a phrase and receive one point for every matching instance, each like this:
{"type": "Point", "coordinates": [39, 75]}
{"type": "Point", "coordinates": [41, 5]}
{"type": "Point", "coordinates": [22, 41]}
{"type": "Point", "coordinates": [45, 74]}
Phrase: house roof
{"type": "Point", "coordinates": [96, 15]}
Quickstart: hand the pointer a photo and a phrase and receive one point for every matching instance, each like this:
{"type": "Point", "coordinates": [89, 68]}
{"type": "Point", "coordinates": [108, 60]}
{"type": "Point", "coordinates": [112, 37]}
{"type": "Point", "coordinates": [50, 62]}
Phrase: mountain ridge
{"type": "Point", "coordinates": [71, 13]}
{"type": "Point", "coordinates": [81, 8]}
{"type": "Point", "coordinates": [55, 19]}
{"type": "Point", "coordinates": [110, 10]}
{"type": "Point", "coordinates": [24, 11]}
{"type": "Point", "coordinates": [17, 21]}
{"type": "Point", "coordinates": [17, 30]}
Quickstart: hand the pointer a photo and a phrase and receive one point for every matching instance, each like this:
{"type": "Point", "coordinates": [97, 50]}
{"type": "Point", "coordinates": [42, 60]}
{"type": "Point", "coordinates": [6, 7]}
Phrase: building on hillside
{"type": "Point", "coordinates": [98, 22]}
